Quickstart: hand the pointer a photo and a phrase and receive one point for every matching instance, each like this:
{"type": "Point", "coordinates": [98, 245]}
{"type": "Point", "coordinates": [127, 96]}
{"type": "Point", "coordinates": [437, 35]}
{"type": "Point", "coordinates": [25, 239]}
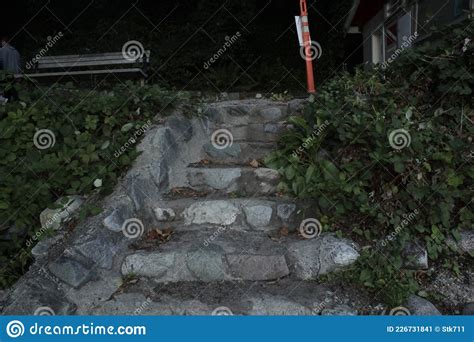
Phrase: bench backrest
{"type": "Point", "coordinates": [89, 60]}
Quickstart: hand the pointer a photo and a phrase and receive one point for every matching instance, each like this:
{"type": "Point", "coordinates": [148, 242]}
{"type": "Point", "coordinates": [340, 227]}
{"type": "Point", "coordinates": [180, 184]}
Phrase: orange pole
{"type": "Point", "coordinates": [307, 47]}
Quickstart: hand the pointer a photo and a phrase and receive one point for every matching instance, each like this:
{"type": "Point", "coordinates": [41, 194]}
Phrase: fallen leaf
{"type": "Point", "coordinates": [254, 163]}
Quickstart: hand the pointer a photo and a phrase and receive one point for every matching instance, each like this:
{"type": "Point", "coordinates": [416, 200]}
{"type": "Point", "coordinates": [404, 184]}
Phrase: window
{"type": "Point", "coordinates": [377, 47]}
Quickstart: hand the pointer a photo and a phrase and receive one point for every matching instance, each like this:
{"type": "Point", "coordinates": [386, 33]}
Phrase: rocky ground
{"type": "Point", "coordinates": [197, 227]}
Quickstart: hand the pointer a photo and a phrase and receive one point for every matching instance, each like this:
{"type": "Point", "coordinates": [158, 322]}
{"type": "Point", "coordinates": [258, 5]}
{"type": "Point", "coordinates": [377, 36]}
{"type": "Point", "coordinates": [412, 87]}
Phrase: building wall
{"type": "Point", "coordinates": [423, 12]}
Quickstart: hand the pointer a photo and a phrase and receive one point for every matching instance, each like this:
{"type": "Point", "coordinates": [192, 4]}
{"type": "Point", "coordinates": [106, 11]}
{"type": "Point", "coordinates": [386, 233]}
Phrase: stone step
{"type": "Point", "coordinates": [224, 254]}
{"type": "Point", "coordinates": [252, 111]}
{"type": "Point", "coordinates": [239, 153]}
{"type": "Point", "coordinates": [285, 297]}
{"type": "Point", "coordinates": [249, 214]}
{"type": "Point", "coordinates": [246, 181]}
{"type": "Point", "coordinates": [269, 132]}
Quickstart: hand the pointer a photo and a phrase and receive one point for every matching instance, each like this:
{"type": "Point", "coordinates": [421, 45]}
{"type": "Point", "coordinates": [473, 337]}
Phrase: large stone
{"type": "Point", "coordinates": [340, 310]}
{"type": "Point", "coordinates": [120, 213]}
{"type": "Point", "coordinates": [466, 242]}
{"type": "Point", "coordinates": [257, 267]}
{"type": "Point", "coordinates": [267, 175]}
{"type": "Point", "coordinates": [70, 271]}
{"type": "Point", "coordinates": [421, 307]}
{"type": "Point", "coordinates": [211, 212]}
{"type": "Point", "coordinates": [154, 265]}
{"type": "Point", "coordinates": [181, 126]}
{"type": "Point", "coordinates": [285, 211]}
{"type": "Point", "coordinates": [164, 214]}
{"type": "Point", "coordinates": [43, 246]}
{"type": "Point", "coordinates": [415, 257]}
{"type": "Point", "coordinates": [277, 306]}
{"type": "Point", "coordinates": [271, 113]}
{"type": "Point", "coordinates": [258, 215]}
{"type": "Point", "coordinates": [217, 179]}
{"type": "Point", "coordinates": [132, 304]}
{"type": "Point", "coordinates": [67, 206]}
{"type": "Point", "coordinates": [314, 257]}
{"type": "Point", "coordinates": [100, 250]}
{"type": "Point", "coordinates": [207, 265]}
{"type": "Point", "coordinates": [231, 151]}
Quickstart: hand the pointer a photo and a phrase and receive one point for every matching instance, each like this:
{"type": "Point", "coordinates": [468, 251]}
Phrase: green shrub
{"type": "Point", "coordinates": [58, 141]}
{"type": "Point", "coordinates": [382, 196]}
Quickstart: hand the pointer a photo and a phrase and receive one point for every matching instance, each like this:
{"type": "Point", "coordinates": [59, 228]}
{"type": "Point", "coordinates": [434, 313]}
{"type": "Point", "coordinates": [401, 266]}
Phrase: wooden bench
{"type": "Point", "coordinates": [90, 64]}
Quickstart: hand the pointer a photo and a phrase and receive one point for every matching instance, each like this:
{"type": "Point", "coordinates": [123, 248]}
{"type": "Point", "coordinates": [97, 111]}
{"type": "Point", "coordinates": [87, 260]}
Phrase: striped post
{"type": "Point", "coordinates": [307, 47]}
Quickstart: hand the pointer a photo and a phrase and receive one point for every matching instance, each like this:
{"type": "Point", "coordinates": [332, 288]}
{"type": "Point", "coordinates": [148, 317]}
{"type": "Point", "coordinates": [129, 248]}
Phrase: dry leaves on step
{"type": "Point", "coordinates": [283, 232]}
{"type": "Point", "coordinates": [153, 238]}
{"type": "Point", "coordinates": [254, 163]}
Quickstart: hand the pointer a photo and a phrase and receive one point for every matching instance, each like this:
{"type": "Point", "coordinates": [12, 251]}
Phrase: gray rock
{"type": "Point", "coordinates": [153, 265]}
{"type": "Point", "coordinates": [233, 150]}
{"type": "Point", "coordinates": [217, 179]}
{"type": "Point", "coordinates": [271, 128]}
{"type": "Point", "coordinates": [421, 307]}
{"type": "Point", "coordinates": [207, 265]}
{"type": "Point", "coordinates": [271, 114]}
{"type": "Point", "coordinates": [340, 310]}
{"type": "Point", "coordinates": [28, 296]}
{"type": "Point", "coordinates": [211, 212]}
{"type": "Point", "coordinates": [42, 247]}
{"type": "Point", "coordinates": [268, 175]}
{"type": "Point", "coordinates": [164, 214]}
{"type": "Point", "coordinates": [466, 243]}
{"type": "Point", "coordinates": [257, 267]}
{"type": "Point", "coordinates": [415, 257]}
{"type": "Point", "coordinates": [52, 218]}
{"type": "Point", "coordinates": [131, 304]}
{"type": "Point", "coordinates": [258, 216]}
{"type": "Point", "coordinates": [182, 126]}
{"type": "Point", "coordinates": [70, 271]}
{"type": "Point", "coordinates": [468, 309]}
{"type": "Point", "coordinates": [277, 306]}
{"type": "Point", "coordinates": [284, 211]}
{"type": "Point", "coordinates": [322, 255]}
{"type": "Point", "coordinates": [100, 250]}
{"type": "Point", "coordinates": [122, 212]}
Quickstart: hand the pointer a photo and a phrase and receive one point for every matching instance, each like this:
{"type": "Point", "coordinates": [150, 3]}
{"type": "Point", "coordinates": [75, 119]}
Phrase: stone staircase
{"type": "Point", "coordinates": [197, 226]}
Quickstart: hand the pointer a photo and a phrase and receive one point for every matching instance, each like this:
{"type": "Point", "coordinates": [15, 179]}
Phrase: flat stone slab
{"type": "Point", "coordinates": [257, 267]}
{"type": "Point", "coordinates": [213, 212]}
{"type": "Point", "coordinates": [324, 254]}
{"type": "Point", "coordinates": [70, 271]}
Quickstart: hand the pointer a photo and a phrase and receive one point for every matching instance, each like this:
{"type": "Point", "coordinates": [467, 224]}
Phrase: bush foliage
{"type": "Point", "coordinates": [417, 191]}
{"type": "Point", "coordinates": [86, 129]}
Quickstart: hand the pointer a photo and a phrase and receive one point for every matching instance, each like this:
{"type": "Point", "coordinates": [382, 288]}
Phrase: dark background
{"type": "Point", "coordinates": [183, 35]}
